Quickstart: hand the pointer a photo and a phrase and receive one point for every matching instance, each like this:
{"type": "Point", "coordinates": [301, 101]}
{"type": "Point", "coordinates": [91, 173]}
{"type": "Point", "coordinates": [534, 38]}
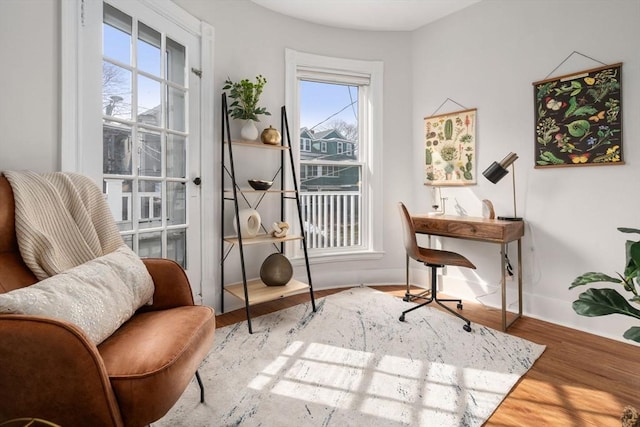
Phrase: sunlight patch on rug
{"type": "Point", "coordinates": [353, 363]}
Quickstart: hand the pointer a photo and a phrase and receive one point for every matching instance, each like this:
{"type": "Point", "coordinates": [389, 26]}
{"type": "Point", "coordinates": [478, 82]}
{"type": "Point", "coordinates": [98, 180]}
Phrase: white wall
{"type": "Point", "coordinates": [487, 57]}
{"type": "Point", "coordinates": [29, 78]}
{"type": "Point", "coordinates": [251, 40]}
{"type": "Point", "coordinates": [484, 57]}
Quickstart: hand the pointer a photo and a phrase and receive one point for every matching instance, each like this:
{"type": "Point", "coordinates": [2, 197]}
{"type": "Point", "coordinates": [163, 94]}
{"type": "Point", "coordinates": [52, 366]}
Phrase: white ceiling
{"type": "Point", "coordinates": [374, 15]}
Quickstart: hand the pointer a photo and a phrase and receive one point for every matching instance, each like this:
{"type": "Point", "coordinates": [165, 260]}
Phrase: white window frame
{"type": "Point", "coordinates": [371, 143]}
{"type": "Point", "coordinates": [323, 147]}
{"type": "Point", "coordinates": [306, 145]}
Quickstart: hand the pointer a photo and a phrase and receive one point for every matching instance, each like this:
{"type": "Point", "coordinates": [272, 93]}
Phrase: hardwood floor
{"type": "Point", "coordinates": [580, 380]}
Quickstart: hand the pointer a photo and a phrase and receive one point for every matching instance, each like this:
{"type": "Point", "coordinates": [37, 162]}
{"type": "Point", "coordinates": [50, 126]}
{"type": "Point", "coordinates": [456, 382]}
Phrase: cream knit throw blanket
{"type": "Point", "coordinates": [62, 221]}
{"type": "Point", "coordinates": [68, 238]}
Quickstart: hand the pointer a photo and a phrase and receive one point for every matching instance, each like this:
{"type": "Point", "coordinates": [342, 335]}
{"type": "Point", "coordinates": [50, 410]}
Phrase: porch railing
{"type": "Point", "coordinates": [331, 219]}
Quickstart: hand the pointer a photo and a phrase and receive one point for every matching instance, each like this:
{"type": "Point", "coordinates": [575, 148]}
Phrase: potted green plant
{"type": "Point", "coordinates": [601, 302]}
{"type": "Point", "coordinates": [246, 95]}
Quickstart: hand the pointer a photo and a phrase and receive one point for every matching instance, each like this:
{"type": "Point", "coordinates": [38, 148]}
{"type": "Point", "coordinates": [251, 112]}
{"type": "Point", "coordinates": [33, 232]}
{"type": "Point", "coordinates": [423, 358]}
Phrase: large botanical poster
{"type": "Point", "coordinates": [579, 119]}
{"type": "Point", "coordinates": [450, 148]}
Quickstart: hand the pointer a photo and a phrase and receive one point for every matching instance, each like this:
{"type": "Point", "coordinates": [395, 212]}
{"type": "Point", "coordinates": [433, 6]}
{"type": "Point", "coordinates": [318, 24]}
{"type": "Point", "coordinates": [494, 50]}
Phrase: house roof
{"type": "Point", "coordinates": [320, 135]}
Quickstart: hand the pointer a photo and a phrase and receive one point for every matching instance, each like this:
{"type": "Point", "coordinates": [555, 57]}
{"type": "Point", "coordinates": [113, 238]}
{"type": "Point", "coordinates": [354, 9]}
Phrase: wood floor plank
{"type": "Point", "coordinates": [581, 380]}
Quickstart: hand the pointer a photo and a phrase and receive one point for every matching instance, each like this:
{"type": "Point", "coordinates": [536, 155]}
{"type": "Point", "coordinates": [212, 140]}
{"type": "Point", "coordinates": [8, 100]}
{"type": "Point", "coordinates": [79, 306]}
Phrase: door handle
{"type": "Point", "coordinates": [197, 180]}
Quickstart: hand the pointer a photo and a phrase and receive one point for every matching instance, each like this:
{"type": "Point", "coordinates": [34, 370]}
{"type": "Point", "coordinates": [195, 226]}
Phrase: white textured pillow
{"type": "Point", "coordinates": [98, 296]}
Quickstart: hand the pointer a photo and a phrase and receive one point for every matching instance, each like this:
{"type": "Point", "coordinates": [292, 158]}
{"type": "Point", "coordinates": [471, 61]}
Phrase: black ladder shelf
{"type": "Point", "coordinates": [254, 291]}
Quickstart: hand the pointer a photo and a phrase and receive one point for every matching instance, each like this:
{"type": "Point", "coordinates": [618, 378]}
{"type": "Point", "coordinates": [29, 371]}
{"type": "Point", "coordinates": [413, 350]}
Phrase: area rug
{"type": "Point", "coordinates": [353, 363]}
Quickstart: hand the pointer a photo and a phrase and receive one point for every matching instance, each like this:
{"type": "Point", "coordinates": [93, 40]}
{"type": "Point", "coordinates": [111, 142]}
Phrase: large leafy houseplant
{"type": "Point", "coordinates": [246, 95]}
{"type": "Point", "coordinates": [601, 302]}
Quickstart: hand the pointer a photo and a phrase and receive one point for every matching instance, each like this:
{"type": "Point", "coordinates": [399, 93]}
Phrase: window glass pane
{"type": "Point", "coordinates": [150, 208]}
{"type": "Point", "coordinates": [176, 203]}
{"type": "Point", "coordinates": [150, 153]}
{"type": "Point", "coordinates": [329, 115]}
{"type": "Point", "coordinates": [177, 246]}
{"type": "Point", "coordinates": [150, 245]}
{"type": "Point", "coordinates": [116, 91]}
{"type": "Point", "coordinates": [118, 195]}
{"type": "Point", "coordinates": [128, 240]}
{"type": "Point", "coordinates": [116, 35]}
{"type": "Point", "coordinates": [176, 156]}
{"type": "Point", "coordinates": [330, 181]}
{"type": "Point", "coordinates": [149, 111]}
{"type": "Point", "coordinates": [149, 50]}
{"type": "Point", "coordinates": [176, 60]}
{"type": "Point", "coordinates": [176, 109]}
{"type": "Point", "coordinates": [116, 149]}
{"type": "Point", "coordinates": [332, 218]}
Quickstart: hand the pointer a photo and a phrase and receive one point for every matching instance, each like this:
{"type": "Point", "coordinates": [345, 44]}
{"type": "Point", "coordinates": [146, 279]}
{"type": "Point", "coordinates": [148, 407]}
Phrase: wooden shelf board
{"type": "Point", "coordinates": [257, 144]}
{"type": "Point", "coordinates": [259, 292]}
{"type": "Point", "coordinates": [261, 239]}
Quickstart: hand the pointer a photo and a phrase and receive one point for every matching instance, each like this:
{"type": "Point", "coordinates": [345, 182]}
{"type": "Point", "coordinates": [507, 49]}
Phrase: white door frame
{"type": "Point", "coordinates": [81, 86]}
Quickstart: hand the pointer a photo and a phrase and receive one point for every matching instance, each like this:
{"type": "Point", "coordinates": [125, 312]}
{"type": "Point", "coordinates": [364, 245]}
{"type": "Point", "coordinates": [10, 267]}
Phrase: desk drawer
{"type": "Point", "coordinates": [475, 229]}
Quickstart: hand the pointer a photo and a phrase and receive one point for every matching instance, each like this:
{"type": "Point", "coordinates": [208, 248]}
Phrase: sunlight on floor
{"type": "Point", "coordinates": [394, 388]}
{"type": "Point", "coordinates": [578, 405]}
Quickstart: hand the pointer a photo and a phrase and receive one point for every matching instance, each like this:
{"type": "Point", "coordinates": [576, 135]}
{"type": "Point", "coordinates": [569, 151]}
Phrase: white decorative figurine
{"type": "Point", "coordinates": [280, 229]}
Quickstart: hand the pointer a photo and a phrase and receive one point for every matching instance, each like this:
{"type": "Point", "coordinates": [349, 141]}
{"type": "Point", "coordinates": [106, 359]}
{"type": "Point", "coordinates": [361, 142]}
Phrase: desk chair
{"type": "Point", "coordinates": [433, 259]}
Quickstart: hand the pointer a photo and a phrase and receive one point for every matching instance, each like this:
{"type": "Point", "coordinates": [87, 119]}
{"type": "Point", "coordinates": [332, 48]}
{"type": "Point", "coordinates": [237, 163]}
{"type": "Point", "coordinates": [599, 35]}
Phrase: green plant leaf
{"type": "Point", "coordinates": [633, 334]}
{"type": "Point", "coordinates": [585, 110]}
{"type": "Point", "coordinates": [634, 253]}
{"type": "Point", "coordinates": [601, 302]}
{"type": "Point", "coordinates": [629, 230]}
{"type": "Point", "coordinates": [593, 277]}
{"type": "Point", "coordinates": [632, 269]}
{"type": "Point", "coordinates": [578, 128]}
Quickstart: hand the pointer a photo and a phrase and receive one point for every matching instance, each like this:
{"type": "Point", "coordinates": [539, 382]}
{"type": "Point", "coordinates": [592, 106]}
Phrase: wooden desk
{"type": "Point", "coordinates": [483, 230]}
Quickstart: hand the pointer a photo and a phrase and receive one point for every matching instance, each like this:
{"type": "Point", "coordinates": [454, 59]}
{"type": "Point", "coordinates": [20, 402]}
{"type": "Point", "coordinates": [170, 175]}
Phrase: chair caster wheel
{"type": "Point", "coordinates": [406, 298]}
{"type": "Point", "coordinates": [459, 306]}
{"type": "Point", "coordinates": [467, 328]}
{"type": "Point", "coordinates": [402, 318]}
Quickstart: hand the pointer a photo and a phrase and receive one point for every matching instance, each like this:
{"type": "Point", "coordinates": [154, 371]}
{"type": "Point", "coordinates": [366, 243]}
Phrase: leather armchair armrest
{"type": "Point", "coordinates": [47, 367]}
{"type": "Point", "coordinates": [172, 287]}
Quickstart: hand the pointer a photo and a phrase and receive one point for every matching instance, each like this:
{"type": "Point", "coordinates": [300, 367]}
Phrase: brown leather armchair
{"type": "Point", "coordinates": [50, 370]}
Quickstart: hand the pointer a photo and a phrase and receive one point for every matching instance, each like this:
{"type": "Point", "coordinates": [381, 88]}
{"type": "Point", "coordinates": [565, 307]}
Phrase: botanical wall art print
{"type": "Point", "coordinates": [578, 118]}
{"type": "Point", "coordinates": [450, 148]}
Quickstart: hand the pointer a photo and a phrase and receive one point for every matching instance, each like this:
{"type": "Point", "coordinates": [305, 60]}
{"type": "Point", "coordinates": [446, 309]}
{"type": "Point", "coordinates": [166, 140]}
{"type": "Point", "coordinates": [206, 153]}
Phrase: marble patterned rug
{"type": "Point", "coordinates": [353, 363]}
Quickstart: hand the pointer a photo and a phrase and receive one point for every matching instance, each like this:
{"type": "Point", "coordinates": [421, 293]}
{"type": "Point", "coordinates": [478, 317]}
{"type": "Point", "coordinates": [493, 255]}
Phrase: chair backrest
{"type": "Point", "coordinates": [14, 273]}
{"type": "Point", "coordinates": [408, 232]}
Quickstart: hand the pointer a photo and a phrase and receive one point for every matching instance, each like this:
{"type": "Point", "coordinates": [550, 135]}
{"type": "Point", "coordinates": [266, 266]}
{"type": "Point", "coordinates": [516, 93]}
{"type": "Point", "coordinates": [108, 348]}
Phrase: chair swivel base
{"type": "Point", "coordinates": [433, 297]}
{"type": "Point", "coordinates": [466, 326]}
{"type": "Point", "coordinates": [408, 296]}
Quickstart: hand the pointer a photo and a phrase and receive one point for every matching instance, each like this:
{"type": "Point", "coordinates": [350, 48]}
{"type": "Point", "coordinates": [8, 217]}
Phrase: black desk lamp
{"type": "Point", "coordinates": [496, 171]}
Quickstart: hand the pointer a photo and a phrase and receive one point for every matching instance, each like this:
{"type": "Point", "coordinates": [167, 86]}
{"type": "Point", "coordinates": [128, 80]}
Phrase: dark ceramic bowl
{"type": "Point", "coordinates": [260, 184]}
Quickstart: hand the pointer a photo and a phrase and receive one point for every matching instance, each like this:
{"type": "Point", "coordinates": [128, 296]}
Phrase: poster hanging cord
{"type": "Point", "coordinates": [445, 101]}
{"type": "Point", "coordinates": [575, 52]}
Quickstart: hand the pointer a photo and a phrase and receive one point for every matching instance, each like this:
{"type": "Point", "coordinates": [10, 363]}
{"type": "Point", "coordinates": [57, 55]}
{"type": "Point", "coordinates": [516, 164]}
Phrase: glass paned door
{"type": "Point", "coordinates": [149, 147]}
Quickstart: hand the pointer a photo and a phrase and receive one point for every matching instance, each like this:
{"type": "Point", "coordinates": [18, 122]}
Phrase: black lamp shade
{"type": "Point", "coordinates": [495, 172]}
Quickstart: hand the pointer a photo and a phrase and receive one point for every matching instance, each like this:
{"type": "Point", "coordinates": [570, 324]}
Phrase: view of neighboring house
{"type": "Point", "coordinates": [328, 161]}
